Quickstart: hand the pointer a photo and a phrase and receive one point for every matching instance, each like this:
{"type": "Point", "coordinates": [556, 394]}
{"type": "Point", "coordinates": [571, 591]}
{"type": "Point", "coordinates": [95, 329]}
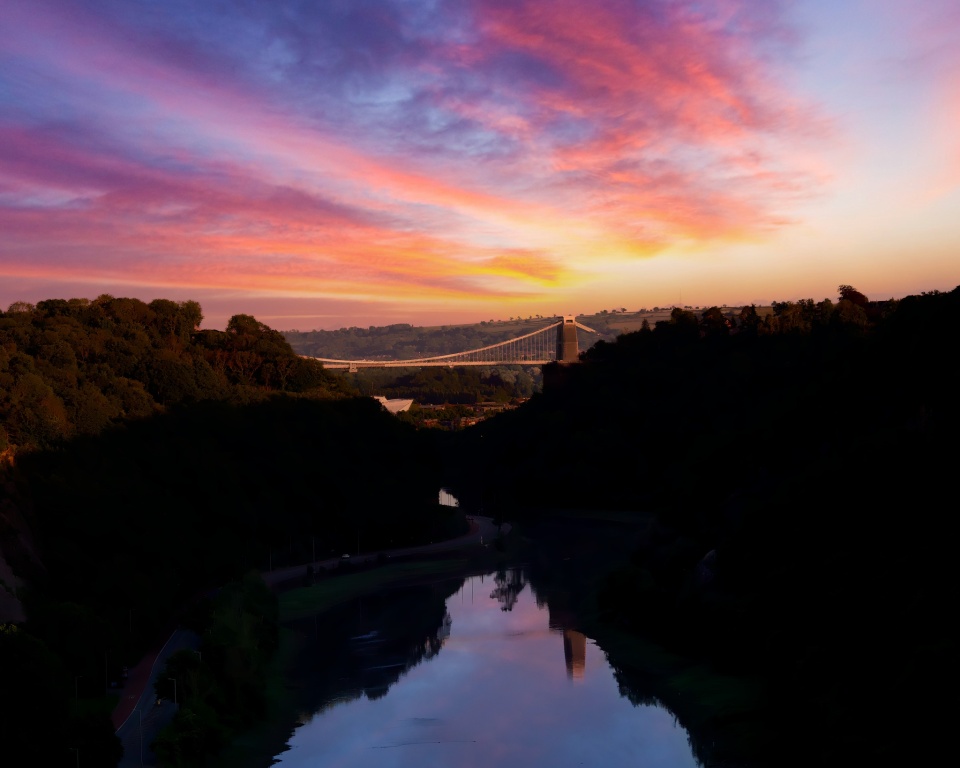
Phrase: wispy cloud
{"type": "Point", "coordinates": [454, 148]}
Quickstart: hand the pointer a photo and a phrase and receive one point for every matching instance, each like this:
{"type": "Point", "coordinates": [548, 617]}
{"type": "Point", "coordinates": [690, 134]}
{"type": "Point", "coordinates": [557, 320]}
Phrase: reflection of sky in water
{"type": "Point", "coordinates": [498, 694]}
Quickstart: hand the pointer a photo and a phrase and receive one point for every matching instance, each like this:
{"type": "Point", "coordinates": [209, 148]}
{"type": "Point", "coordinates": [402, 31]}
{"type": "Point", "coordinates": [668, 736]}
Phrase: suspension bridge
{"type": "Point", "coordinates": [556, 342]}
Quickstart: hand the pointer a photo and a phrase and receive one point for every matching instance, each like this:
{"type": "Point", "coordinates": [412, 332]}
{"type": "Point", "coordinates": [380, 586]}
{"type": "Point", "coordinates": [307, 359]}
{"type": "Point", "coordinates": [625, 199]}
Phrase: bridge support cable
{"type": "Point", "coordinates": [554, 342]}
{"type": "Point", "coordinates": [535, 348]}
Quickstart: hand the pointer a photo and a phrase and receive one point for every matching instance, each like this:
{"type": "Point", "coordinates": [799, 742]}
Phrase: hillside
{"type": "Point", "coordinates": [407, 341]}
{"type": "Point", "coordinates": [75, 367]}
{"type": "Point", "coordinates": [798, 469]}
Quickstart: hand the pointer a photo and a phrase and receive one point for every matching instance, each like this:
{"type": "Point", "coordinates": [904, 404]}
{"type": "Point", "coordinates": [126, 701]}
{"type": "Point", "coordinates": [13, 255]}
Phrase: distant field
{"type": "Point", "coordinates": [622, 322]}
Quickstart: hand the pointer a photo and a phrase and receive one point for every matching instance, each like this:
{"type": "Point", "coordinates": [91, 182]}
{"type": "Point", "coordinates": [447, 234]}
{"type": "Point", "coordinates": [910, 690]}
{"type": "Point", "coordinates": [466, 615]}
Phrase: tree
{"type": "Point", "coordinates": [244, 365]}
{"type": "Point", "coordinates": [171, 380]}
{"type": "Point", "coordinates": [54, 307]}
{"type": "Point", "coordinates": [682, 318]}
{"type": "Point", "coordinates": [826, 309]}
{"type": "Point", "coordinates": [94, 411]}
{"type": "Point", "coordinates": [851, 294]}
{"type": "Point", "coordinates": [165, 320]}
{"type": "Point", "coordinates": [37, 415]}
{"type": "Point", "coordinates": [850, 314]}
{"type": "Point", "coordinates": [191, 314]}
{"type": "Point", "coordinates": [749, 320]}
{"type": "Point", "coordinates": [713, 323]}
{"type": "Point", "coordinates": [244, 325]}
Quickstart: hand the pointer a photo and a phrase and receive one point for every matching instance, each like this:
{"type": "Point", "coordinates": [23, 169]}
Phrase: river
{"type": "Point", "coordinates": [474, 672]}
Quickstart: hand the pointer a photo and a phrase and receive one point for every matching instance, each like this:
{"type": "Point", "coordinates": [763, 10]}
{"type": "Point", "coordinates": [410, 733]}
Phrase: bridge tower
{"type": "Point", "coordinates": [567, 349]}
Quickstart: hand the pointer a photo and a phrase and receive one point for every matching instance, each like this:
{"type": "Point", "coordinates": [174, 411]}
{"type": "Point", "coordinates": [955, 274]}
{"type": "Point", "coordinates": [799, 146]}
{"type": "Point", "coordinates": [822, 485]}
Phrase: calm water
{"type": "Point", "coordinates": [493, 685]}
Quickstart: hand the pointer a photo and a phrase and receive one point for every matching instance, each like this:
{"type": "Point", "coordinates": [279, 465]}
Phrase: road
{"type": "Point", "coordinates": [482, 531]}
{"type": "Point", "coordinates": [138, 718]}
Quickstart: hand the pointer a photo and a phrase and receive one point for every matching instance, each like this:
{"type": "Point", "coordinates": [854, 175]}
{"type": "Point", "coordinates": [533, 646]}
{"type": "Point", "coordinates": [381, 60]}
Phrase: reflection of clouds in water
{"type": "Point", "coordinates": [498, 695]}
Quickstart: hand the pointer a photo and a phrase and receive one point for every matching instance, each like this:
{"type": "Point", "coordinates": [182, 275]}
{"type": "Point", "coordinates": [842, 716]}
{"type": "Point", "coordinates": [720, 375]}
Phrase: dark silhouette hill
{"type": "Point", "coordinates": [801, 470]}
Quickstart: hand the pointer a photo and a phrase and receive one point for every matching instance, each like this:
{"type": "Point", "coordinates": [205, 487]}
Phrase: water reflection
{"type": "Point", "coordinates": [508, 584]}
{"type": "Point", "coordinates": [359, 650]}
{"type": "Point", "coordinates": [497, 681]}
{"type": "Point", "coordinates": [575, 653]}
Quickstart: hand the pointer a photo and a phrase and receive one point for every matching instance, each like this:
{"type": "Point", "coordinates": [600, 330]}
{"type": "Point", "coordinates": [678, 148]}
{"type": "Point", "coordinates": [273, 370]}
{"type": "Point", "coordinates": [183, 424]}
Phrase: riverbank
{"type": "Point", "coordinates": [481, 531]}
{"type": "Point", "coordinates": [568, 562]}
{"type": "Point", "coordinates": [572, 554]}
{"type": "Point", "coordinates": [720, 712]}
{"type": "Point", "coordinates": [342, 583]}
{"type": "Point", "coordinates": [723, 714]}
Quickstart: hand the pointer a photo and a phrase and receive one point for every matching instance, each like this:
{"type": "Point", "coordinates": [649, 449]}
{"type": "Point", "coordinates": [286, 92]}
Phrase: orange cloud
{"type": "Point", "coordinates": [493, 156]}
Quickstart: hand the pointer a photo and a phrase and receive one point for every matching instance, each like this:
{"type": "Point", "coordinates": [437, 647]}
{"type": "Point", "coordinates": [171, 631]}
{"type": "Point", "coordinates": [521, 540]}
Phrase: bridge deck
{"type": "Point", "coordinates": [539, 347]}
{"type": "Point", "coordinates": [341, 364]}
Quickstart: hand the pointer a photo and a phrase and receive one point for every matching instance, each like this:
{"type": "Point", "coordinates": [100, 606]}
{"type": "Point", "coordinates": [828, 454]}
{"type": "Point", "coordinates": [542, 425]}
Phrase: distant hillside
{"type": "Point", "coordinates": [407, 341]}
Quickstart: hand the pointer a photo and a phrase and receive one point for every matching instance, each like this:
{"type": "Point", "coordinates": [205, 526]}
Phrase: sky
{"type": "Point", "coordinates": [363, 162]}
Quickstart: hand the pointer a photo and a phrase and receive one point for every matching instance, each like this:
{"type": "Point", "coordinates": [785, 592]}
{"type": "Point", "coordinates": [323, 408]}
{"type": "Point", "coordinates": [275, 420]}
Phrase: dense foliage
{"type": "Point", "coordinates": [795, 461]}
{"type": "Point", "coordinates": [75, 367]}
{"type": "Point", "coordinates": [129, 525]}
{"type": "Point", "coordinates": [221, 688]}
{"type": "Point", "coordinates": [801, 469]}
{"type": "Point", "coordinates": [453, 386]}
{"type": "Point", "coordinates": [146, 460]}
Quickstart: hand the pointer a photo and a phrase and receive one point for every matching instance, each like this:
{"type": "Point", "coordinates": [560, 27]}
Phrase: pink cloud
{"type": "Point", "coordinates": [652, 89]}
{"type": "Point", "coordinates": [458, 168]}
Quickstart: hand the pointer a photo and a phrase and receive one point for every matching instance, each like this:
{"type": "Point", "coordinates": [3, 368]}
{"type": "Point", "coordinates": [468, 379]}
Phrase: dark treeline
{"type": "Point", "coordinates": [455, 386]}
{"type": "Point", "coordinates": [145, 463]}
{"type": "Point", "coordinates": [797, 465]}
{"type": "Point", "coordinates": [70, 367]}
{"type": "Point", "coordinates": [801, 471]}
{"type": "Point", "coordinates": [128, 526]}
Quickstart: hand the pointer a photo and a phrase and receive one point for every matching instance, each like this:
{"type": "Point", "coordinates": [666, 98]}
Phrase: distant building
{"type": "Point", "coordinates": [447, 499]}
{"type": "Point", "coordinates": [395, 405]}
